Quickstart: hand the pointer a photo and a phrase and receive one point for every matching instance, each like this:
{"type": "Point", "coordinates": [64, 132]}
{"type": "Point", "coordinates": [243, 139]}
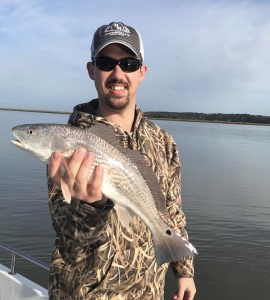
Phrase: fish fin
{"type": "Point", "coordinates": [107, 133]}
{"type": "Point", "coordinates": [64, 168]}
{"type": "Point", "coordinates": [124, 215]}
{"type": "Point", "coordinates": [142, 164]}
{"type": "Point", "coordinates": [172, 247]}
{"type": "Point", "coordinates": [65, 191]}
{"type": "Point", "coordinates": [64, 187]}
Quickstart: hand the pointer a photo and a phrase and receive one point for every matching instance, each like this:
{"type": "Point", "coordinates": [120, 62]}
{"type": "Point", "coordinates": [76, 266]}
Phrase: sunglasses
{"type": "Point", "coordinates": [127, 65]}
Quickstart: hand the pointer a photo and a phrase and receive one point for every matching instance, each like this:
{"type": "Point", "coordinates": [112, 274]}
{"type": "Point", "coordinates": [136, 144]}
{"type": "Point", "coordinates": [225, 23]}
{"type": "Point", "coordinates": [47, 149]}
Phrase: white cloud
{"type": "Point", "coordinates": [218, 60]}
{"type": "Point", "coordinates": [206, 56]}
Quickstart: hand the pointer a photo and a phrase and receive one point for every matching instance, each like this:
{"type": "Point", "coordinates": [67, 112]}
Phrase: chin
{"type": "Point", "coordinates": [118, 103]}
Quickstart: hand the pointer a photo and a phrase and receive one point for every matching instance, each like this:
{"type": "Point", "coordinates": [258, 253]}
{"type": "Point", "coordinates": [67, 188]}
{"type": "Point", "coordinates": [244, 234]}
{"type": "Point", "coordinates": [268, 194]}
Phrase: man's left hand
{"type": "Point", "coordinates": [186, 289]}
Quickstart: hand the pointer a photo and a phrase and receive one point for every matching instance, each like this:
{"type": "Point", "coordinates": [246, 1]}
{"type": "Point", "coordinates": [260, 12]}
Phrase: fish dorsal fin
{"type": "Point", "coordinates": [107, 133]}
{"type": "Point", "coordinates": [124, 215]}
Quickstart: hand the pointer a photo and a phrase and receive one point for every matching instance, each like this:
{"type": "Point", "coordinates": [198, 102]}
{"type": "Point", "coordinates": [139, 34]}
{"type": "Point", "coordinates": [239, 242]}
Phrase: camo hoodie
{"type": "Point", "coordinates": [94, 257]}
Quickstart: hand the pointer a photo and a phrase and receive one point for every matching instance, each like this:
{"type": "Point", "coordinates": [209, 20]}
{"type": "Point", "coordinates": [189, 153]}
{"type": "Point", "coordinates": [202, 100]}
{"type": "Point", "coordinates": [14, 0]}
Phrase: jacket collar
{"type": "Point", "coordinates": [85, 114]}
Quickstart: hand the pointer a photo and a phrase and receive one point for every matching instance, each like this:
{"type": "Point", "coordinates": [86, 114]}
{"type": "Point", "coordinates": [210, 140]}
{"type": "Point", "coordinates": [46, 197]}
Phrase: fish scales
{"type": "Point", "coordinates": [119, 169]}
{"type": "Point", "coordinates": [128, 180]}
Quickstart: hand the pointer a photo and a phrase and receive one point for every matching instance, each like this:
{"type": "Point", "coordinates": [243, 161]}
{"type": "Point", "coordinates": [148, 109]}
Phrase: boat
{"type": "Point", "coordinates": [14, 286]}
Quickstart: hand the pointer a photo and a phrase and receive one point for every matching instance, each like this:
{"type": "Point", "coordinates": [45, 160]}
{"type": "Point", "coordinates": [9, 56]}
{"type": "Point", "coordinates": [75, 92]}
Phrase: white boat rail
{"type": "Point", "coordinates": [15, 253]}
{"type": "Point", "coordinates": [15, 286]}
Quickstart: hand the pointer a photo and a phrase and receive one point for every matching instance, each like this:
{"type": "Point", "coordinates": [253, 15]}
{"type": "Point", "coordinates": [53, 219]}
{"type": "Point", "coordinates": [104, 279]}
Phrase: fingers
{"type": "Point", "coordinates": [178, 295]}
{"type": "Point", "coordinates": [75, 176]}
{"type": "Point", "coordinates": [81, 183]}
{"type": "Point", "coordinates": [82, 173]}
{"type": "Point", "coordinates": [89, 191]}
{"type": "Point", "coordinates": [94, 187]}
{"type": "Point", "coordinates": [76, 160]}
{"type": "Point", "coordinates": [54, 167]}
{"type": "Point", "coordinates": [186, 289]}
{"type": "Point", "coordinates": [72, 167]}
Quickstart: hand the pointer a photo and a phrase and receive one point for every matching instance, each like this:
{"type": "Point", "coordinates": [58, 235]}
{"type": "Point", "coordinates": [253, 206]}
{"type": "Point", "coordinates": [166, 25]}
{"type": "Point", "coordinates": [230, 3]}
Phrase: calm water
{"type": "Point", "coordinates": [225, 188]}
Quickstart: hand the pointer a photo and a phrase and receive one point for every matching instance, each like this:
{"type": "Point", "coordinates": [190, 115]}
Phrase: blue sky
{"type": "Point", "coordinates": [202, 56]}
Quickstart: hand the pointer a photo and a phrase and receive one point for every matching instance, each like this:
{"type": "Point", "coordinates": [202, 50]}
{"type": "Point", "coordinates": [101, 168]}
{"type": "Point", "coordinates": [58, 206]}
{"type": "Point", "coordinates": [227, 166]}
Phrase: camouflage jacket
{"type": "Point", "coordinates": [94, 256]}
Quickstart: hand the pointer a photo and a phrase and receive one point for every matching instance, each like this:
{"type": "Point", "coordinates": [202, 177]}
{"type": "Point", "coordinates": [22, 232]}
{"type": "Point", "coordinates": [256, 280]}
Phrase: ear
{"type": "Point", "coordinates": [143, 70]}
{"type": "Point", "coordinates": [90, 69]}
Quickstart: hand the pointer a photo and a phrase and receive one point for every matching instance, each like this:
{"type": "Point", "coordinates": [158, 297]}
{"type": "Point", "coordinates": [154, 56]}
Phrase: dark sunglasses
{"type": "Point", "coordinates": [127, 65]}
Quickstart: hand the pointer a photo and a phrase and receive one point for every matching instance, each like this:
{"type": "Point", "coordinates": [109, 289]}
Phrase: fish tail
{"type": "Point", "coordinates": [172, 247]}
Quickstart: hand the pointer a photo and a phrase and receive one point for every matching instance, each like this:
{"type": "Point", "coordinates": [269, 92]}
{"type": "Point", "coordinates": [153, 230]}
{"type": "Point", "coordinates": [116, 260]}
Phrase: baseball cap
{"type": "Point", "coordinates": [117, 33]}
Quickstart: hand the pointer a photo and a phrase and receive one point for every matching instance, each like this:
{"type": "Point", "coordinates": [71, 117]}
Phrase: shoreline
{"type": "Point", "coordinates": [36, 110]}
{"type": "Point", "coordinates": [151, 118]}
{"type": "Point", "coordinates": [205, 121]}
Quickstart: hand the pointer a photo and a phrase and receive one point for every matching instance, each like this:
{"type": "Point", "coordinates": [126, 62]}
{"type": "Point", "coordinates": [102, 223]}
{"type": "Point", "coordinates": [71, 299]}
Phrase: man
{"type": "Point", "coordinates": [94, 256]}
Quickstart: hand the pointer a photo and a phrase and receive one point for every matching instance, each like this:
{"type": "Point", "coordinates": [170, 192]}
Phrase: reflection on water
{"type": "Point", "coordinates": [225, 188]}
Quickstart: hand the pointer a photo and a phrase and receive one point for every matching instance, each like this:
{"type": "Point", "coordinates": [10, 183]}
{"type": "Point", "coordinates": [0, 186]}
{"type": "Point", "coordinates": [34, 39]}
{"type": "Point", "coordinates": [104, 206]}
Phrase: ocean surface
{"type": "Point", "coordinates": [226, 199]}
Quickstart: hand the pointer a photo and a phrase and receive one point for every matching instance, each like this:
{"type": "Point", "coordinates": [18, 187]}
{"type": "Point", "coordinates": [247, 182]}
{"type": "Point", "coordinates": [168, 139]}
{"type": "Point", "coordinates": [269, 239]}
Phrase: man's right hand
{"type": "Point", "coordinates": [76, 176]}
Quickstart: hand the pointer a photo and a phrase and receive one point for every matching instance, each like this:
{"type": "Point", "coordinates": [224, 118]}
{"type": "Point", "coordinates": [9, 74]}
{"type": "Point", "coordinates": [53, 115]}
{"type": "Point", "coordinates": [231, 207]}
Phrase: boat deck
{"type": "Point", "coordinates": [17, 287]}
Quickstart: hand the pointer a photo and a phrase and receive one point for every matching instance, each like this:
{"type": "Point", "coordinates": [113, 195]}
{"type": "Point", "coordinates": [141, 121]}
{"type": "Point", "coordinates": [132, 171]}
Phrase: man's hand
{"type": "Point", "coordinates": [186, 289]}
{"type": "Point", "coordinates": [76, 176]}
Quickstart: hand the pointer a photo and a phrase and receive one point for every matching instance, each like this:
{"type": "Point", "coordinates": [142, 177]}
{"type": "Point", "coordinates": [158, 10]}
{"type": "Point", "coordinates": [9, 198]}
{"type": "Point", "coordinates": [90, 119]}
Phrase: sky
{"type": "Point", "coordinates": [202, 56]}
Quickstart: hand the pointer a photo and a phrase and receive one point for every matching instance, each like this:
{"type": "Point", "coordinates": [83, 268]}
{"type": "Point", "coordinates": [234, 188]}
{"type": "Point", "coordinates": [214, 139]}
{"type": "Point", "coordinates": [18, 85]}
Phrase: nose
{"type": "Point", "coordinates": [117, 72]}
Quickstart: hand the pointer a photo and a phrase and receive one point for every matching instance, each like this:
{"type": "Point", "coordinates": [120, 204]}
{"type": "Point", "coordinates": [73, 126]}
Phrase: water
{"type": "Point", "coordinates": [225, 188]}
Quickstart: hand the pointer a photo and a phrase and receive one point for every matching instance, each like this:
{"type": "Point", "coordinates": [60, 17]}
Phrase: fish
{"type": "Point", "coordinates": [129, 182]}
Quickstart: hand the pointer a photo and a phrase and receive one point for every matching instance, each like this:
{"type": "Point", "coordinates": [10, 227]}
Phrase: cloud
{"type": "Point", "coordinates": [217, 59]}
{"type": "Point", "coordinates": [205, 56]}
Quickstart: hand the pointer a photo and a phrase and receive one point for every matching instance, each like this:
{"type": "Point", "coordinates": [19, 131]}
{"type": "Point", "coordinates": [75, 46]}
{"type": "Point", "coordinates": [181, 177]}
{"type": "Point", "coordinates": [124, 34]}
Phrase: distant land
{"type": "Point", "coordinates": [183, 116]}
{"type": "Point", "coordinates": [213, 117]}
{"type": "Point", "coordinates": [35, 110]}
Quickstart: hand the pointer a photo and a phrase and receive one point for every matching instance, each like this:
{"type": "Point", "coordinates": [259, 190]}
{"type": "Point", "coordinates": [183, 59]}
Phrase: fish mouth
{"type": "Point", "coordinates": [19, 144]}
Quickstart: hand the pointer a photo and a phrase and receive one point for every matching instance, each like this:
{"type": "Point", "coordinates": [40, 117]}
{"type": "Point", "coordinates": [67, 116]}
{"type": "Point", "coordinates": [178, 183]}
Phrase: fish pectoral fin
{"type": "Point", "coordinates": [124, 215]}
{"type": "Point", "coordinates": [64, 169]}
{"type": "Point", "coordinates": [65, 190]}
{"type": "Point", "coordinates": [63, 185]}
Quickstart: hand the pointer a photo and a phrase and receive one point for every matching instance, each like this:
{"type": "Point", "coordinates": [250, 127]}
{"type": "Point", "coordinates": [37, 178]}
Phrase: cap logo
{"type": "Point", "coordinates": [116, 29]}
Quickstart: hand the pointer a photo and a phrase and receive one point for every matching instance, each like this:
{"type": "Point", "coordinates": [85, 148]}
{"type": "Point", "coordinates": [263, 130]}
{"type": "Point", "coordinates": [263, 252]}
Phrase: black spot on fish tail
{"type": "Point", "coordinates": [172, 247]}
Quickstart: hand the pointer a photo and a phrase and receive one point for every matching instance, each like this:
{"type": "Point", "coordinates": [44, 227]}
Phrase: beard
{"type": "Point", "coordinates": [117, 102]}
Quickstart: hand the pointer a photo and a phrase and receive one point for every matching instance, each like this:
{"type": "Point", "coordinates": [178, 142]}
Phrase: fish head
{"type": "Point", "coordinates": [41, 139]}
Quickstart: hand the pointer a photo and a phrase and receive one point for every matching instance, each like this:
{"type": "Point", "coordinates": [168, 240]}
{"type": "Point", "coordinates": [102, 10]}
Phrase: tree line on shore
{"type": "Point", "coordinates": [212, 117]}
{"type": "Point", "coordinates": [184, 116]}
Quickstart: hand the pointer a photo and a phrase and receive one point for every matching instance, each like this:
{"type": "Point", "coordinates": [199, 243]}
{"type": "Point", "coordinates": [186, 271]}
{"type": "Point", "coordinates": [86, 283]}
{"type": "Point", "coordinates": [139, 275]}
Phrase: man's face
{"type": "Point", "coordinates": [116, 89]}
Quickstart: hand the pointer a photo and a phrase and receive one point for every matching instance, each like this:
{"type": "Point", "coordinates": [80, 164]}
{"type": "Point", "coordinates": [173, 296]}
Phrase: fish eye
{"type": "Point", "coordinates": [168, 232]}
{"type": "Point", "coordinates": [31, 131]}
